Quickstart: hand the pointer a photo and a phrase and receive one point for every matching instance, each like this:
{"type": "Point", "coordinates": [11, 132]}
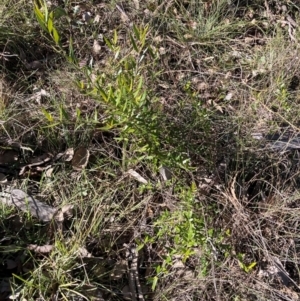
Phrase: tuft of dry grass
{"type": "Point", "coordinates": [187, 113]}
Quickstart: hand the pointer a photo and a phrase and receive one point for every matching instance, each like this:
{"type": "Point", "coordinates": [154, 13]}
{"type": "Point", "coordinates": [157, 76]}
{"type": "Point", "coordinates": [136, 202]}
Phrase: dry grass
{"type": "Point", "coordinates": [194, 95]}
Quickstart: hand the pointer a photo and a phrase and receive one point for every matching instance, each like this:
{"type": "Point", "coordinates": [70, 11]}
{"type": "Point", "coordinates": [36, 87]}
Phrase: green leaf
{"type": "Point", "coordinates": [78, 113]}
{"type": "Point", "coordinates": [110, 93]}
{"type": "Point", "coordinates": [118, 99]}
{"type": "Point", "coordinates": [194, 187]}
{"type": "Point", "coordinates": [136, 94]}
{"type": "Point", "coordinates": [52, 125]}
{"type": "Point", "coordinates": [142, 98]}
{"type": "Point", "coordinates": [59, 12]}
{"type": "Point", "coordinates": [149, 49]}
{"type": "Point", "coordinates": [140, 245]}
{"type": "Point", "coordinates": [136, 32]}
{"type": "Point", "coordinates": [103, 94]}
{"type": "Point", "coordinates": [143, 36]}
{"type": "Point", "coordinates": [108, 43]}
{"type": "Point", "coordinates": [50, 24]}
{"type": "Point", "coordinates": [55, 35]}
{"type": "Point", "coordinates": [242, 266]}
{"type": "Point", "coordinates": [115, 37]}
{"type": "Point", "coordinates": [130, 86]}
{"type": "Point", "coordinates": [63, 114]}
{"type": "Point", "coordinates": [117, 52]}
{"type": "Point", "coordinates": [133, 43]}
{"type": "Point", "coordinates": [108, 126]}
{"type": "Point", "coordinates": [71, 56]}
{"type": "Point", "coordinates": [96, 116]}
{"type": "Point", "coordinates": [39, 3]}
{"type": "Point", "coordinates": [154, 283]}
{"type": "Point", "coordinates": [28, 283]}
{"type": "Point", "coordinates": [44, 5]}
{"type": "Point", "coordinates": [251, 266]}
{"type": "Point", "coordinates": [47, 115]}
{"type": "Point", "coordinates": [40, 17]}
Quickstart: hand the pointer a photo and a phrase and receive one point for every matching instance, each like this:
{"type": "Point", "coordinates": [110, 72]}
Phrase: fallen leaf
{"type": "Point", "coordinates": [189, 275]}
{"type": "Point", "coordinates": [228, 96]}
{"type": "Point", "coordinates": [36, 161]}
{"type": "Point", "coordinates": [49, 172]}
{"type": "Point", "coordinates": [86, 17]}
{"type": "Point", "coordinates": [25, 203]}
{"type": "Point", "coordinates": [166, 173]}
{"type": "Point", "coordinates": [219, 108]}
{"type": "Point", "coordinates": [178, 264]}
{"type": "Point", "coordinates": [67, 211]}
{"type": "Point", "coordinates": [38, 95]}
{"type": "Point", "coordinates": [83, 62]}
{"type": "Point", "coordinates": [81, 158]}
{"type": "Point", "coordinates": [202, 86]}
{"type": "Point", "coordinates": [66, 156]}
{"type": "Point", "coordinates": [16, 296]}
{"type": "Point", "coordinates": [84, 252]}
{"type": "Point", "coordinates": [39, 160]}
{"type": "Point", "coordinates": [96, 47]}
{"type": "Point", "coordinates": [97, 19]}
{"type": "Point", "coordinates": [137, 176]}
{"type": "Point", "coordinates": [40, 249]}
{"type": "Point", "coordinates": [124, 17]}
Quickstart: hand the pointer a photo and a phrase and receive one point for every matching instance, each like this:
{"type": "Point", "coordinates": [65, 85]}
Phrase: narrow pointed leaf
{"type": "Point", "coordinates": [55, 35]}
{"type": "Point", "coordinates": [40, 17]}
{"type": "Point", "coordinates": [133, 43]}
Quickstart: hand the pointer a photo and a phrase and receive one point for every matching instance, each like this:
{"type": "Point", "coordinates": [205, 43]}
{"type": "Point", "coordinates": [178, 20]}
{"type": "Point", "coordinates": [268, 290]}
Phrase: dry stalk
{"type": "Point", "coordinates": [230, 195]}
{"type": "Point", "coordinates": [134, 283]}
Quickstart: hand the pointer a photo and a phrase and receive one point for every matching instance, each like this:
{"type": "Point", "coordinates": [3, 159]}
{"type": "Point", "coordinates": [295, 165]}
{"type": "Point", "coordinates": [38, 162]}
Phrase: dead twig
{"type": "Point", "coordinates": [134, 283]}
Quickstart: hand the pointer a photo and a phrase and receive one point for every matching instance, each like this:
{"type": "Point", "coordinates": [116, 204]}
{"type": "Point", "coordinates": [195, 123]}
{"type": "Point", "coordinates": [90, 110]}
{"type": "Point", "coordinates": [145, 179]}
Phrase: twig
{"type": "Point", "coordinates": [134, 283]}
